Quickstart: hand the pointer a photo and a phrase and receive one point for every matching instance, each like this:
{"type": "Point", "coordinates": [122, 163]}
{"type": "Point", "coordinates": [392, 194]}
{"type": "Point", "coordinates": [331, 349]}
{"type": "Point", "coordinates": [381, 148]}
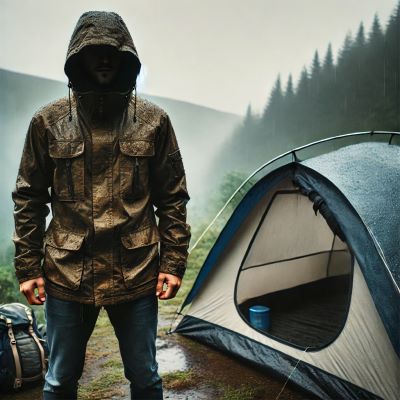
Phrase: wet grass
{"type": "Point", "coordinates": [243, 392]}
{"type": "Point", "coordinates": [163, 331]}
{"type": "Point", "coordinates": [105, 378]}
{"type": "Point", "coordinates": [179, 380]}
{"type": "Point", "coordinates": [113, 363]}
{"type": "Point", "coordinates": [104, 386]}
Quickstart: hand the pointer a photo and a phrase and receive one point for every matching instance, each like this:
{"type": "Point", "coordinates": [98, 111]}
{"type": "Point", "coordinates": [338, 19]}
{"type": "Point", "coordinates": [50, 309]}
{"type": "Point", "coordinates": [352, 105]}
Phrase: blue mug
{"type": "Point", "coordinates": [259, 317]}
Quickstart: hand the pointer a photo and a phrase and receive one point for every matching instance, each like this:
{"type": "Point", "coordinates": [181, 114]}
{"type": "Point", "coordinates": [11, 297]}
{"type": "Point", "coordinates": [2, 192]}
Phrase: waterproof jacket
{"type": "Point", "coordinates": [108, 162]}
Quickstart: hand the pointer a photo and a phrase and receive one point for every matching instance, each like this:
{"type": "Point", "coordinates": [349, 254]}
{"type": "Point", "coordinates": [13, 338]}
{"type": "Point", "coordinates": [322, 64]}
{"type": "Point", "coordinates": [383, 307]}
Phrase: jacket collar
{"type": "Point", "coordinates": [101, 107]}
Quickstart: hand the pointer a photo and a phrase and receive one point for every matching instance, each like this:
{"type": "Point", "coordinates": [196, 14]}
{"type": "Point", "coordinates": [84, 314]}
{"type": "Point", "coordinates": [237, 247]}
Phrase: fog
{"type": "Point", "coordinates": [222, 54]}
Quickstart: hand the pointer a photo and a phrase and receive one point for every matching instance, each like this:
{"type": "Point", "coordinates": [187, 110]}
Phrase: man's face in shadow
{"type": "Point", "coordinates": [101, 62]}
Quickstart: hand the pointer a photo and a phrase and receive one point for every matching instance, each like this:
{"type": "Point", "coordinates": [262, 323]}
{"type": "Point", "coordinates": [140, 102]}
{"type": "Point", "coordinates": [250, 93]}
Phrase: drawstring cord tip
{"type": "Point", "coordinates": [69, 101]}
{"type": "Point", "coordinates": [134, 112]}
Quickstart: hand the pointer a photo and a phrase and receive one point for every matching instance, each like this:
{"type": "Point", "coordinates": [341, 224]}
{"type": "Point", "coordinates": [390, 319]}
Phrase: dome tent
{"type": "Point", "coordinates": [317, 241]}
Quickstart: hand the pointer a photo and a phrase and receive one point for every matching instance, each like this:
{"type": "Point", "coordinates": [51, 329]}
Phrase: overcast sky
{"type": "Point", "coordinates": [219, 53]}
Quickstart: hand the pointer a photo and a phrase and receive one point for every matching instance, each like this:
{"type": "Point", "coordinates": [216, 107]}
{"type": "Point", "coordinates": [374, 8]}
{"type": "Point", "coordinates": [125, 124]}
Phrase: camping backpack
{"type": "Point", "coordinates": [23, 350]}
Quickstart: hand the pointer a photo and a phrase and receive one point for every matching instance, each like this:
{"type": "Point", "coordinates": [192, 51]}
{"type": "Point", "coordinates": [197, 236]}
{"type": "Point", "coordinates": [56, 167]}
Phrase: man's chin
{"type": "Point", "coordinates": [104, 79]}
{"type": "Point", "coordinates": [104, 82]}
{"type": "Point", "coordinates": [103, 86]}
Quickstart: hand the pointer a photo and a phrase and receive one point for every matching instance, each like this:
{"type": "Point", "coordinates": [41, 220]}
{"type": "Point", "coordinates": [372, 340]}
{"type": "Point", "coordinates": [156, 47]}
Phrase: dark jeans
{"type": "Point", "coordinates": [69, 326]}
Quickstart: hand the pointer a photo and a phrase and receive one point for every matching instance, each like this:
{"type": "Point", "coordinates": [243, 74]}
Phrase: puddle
{"type": "Point", "coordinates": [170, 358]}
{"type": "Point", "coordinates": [198, 394]}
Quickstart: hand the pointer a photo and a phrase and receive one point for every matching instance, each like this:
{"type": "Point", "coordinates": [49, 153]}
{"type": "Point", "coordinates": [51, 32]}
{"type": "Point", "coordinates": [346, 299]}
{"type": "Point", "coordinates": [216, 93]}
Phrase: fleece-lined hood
{"type": "Point", "coordinates": [102, 28]}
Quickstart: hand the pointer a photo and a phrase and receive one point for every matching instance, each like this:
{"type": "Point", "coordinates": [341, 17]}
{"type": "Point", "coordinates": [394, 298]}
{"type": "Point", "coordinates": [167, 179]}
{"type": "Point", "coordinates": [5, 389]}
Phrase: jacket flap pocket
{"type": "Point", "coordinates": [137, 147]}
{"type": "Point", "coordinates": [142, 237]}
{"type": "Point", "coordinates": [66, 148]}
{"type": "Point", "coordinates": [64, 239]}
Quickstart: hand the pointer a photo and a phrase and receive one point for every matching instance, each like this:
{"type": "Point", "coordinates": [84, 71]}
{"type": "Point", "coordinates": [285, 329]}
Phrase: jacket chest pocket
{"type": "Point", "coordinates": [68, 176]}
{"type": "Point", "coordinates": [134, 168]}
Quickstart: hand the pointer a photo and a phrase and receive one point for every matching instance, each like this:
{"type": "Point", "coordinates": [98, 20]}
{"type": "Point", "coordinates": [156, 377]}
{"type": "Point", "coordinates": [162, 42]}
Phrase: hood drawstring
{"type": "Point", "coordinates": [134, 112]}
{"type": "Point", "coordinates": [69, 100]}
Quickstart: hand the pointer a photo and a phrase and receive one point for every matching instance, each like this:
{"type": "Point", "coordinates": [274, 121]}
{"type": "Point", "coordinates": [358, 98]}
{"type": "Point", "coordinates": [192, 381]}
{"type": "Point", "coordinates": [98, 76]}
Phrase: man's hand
{"type": "Point", "coordinates": [173, 283]}
{"type": "Point", "coordinates": [28, 289]}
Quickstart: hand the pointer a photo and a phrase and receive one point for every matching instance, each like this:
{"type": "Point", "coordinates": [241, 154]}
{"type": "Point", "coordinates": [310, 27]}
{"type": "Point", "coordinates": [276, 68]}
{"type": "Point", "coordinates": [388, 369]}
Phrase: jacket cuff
{"type": "Point", "coordinates": [174, 268]}
{"type": "Point", "coordinates": [24, 275]}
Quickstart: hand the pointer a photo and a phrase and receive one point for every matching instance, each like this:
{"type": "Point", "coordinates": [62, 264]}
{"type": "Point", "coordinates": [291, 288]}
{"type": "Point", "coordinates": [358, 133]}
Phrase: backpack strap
{"type": "Point", "coordinates": [36, 339]}
{"type": "Point", "coordinates": [13, 343]}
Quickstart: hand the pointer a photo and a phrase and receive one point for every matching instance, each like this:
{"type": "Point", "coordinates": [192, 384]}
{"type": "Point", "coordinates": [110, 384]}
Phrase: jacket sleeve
{"type": "Point", "coordinates": [169, 194]}
{"type": "Point", "coordinates": [30, 210]}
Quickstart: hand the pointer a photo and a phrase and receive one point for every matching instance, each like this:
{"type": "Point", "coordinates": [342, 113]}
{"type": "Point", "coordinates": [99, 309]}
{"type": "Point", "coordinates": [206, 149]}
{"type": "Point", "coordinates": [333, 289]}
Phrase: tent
{"type": "Point", "coordinates": [318, 242]}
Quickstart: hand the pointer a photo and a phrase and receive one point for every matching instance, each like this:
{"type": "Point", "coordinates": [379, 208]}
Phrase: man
{"type": "Point", "coordinates": [108, 157]}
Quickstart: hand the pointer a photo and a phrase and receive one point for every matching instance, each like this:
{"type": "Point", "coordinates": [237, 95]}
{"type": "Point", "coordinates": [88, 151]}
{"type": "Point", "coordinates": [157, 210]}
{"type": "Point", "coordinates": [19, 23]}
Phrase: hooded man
{"type": "Point", "coordinates": [109, 158]}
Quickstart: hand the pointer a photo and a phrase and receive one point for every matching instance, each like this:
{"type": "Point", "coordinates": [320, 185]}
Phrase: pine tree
{"type": "Point", "coordinates": [360, 37]}
{"type": "Point", "coordinates": [302, 104]}
{"type": "Point", "coordinates": [392, 70]}
{"type": "Point", "coordinates": [287, 107]}
{"type": "Point", "coordinates": [315, 78]}
{"type": "Point", "coordinates": [328, 67]}
{"type": "Point", "coordinates": [289, 92]}
{"type": "Point", "coordinates": [329, 93]}
{"type": "Point", "coordinates": [273, 111]}
{"type": "Point", "coordinates": [275, 99]}
{"type": "Point", "coordinates": [359, 90]}
{"type": "Point", "coordinates": [302, 90]}
{"type": "Point", "coordinates": [345, 68]}
{"type": "Point", "coordinates": [316, 66]}
{"type": "Point", "coordinates": [249, 121]}
{"type": "Point", "coordinates": [375, 75]}
{"type": "Point", "coordinates": [346, 49]}
{"type": "Point", "coordinates": [358, 50]}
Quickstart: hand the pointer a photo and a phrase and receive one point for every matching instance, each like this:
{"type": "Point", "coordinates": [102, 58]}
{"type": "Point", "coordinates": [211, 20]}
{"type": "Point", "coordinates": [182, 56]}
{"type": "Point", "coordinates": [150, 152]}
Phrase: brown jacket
{"type": "Point", "coordinates": [108, 158]}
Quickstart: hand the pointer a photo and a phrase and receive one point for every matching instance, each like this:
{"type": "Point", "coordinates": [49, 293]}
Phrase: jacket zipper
{"type": "Point", "coordinates": [70, 182]}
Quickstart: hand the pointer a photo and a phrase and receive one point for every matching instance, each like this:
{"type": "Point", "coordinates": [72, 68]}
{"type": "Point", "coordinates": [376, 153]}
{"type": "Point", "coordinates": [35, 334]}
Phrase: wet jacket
{"type": "Point", "coordinates": [109, 163]}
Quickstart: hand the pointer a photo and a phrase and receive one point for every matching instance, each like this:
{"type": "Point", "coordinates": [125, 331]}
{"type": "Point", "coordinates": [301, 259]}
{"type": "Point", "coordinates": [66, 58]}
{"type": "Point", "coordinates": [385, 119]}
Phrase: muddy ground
{"type": "Point", "coordinates": [189, 369]}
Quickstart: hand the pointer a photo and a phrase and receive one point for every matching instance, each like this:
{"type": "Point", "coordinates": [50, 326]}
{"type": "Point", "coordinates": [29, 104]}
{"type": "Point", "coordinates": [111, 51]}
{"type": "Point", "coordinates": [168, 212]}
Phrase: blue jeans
{"type": "Point", "coordinates": [69, 326]}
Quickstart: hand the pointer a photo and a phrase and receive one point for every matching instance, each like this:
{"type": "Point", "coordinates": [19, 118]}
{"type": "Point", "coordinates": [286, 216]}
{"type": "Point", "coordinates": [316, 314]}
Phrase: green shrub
{"type": "Point", "coordinates": [9, 286]}
{"type": "Point", "coordinates": [9, 291]}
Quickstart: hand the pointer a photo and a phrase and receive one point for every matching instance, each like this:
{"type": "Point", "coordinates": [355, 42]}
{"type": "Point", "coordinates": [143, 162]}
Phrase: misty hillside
{"type": "Point", "coordinates": [360, 91]}
{"type": "Point", "coordinates": [200, 131]}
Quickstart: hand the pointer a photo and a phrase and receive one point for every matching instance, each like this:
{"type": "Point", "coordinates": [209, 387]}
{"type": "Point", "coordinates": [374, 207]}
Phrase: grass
{"type": "Point", "coordinates": [113, 363]}
{"type": "Point", "coordinates": [162, 331]}
{"type": "Point", "coordinates": [243, 392]}
{"type": "Point", "coordinates": [107, 376]}
{"type": "Point", "coordinates": [103, 386]}
{"type": "Point", "coordinates": [179, 380]}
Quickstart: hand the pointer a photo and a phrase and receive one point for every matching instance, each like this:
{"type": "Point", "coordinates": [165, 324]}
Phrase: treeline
{"type": "Point", "coordinates": [358, 92]}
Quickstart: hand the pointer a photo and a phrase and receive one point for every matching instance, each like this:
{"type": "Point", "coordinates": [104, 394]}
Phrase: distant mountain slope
{"type": "Point", "coordinates": [200, 131]}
